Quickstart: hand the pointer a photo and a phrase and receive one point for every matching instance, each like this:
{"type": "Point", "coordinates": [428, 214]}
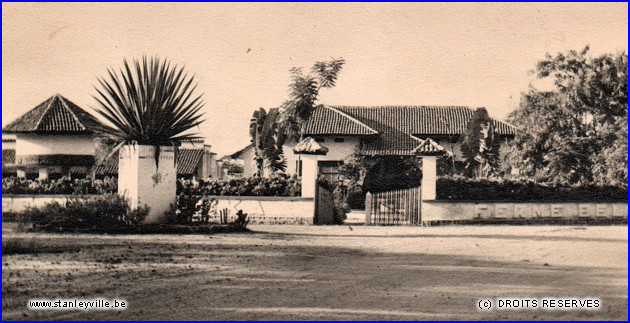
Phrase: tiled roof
{"type": "Point", "coordinates": [391, 143]}
{"type": "Point", "coordinates": [419, 120]}
{"type": "Point", "coordinates": [109, 167]}
{"type": "Point", "coordinates": [187, 162]}
{"type": "Point", "coordinates": [330, 121]}
{"type": "Point", "coordinates": [395, 125]}
{"type": "Point", "coordinates": [57, 114]}
{"type": "Point", "coordinates": [8, 157]}
{"type": "Point", "coordinates": [309, 146]}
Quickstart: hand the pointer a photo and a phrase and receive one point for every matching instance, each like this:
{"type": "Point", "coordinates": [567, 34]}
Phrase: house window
{"type": "Point", "coordinates": [339, 140]}
{"type": "Point", "coordinates": [329, 170]}
{"type": "Point", "coordinates": [320, 139]}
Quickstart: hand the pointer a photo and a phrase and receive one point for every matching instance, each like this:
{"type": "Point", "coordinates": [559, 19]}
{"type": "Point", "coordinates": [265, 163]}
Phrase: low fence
{"type": "Point", "coordinates": [397, 207]}
{"type": "Point", "coordinates": [259, 209]}
{"type": "Point", "coordinates": [267, 209]}
{"type": "Point", "coordinates": [406, 207]}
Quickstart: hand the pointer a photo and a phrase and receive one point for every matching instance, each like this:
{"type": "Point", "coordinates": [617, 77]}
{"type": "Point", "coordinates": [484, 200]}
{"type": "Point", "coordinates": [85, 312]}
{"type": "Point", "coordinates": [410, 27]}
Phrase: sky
{"type": "Point", "coordinates": [471, 54]}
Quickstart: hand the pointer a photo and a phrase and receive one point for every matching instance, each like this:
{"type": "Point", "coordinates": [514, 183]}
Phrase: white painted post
{"type": "Point", "coordinates": [43, 173]}
{"type": "Point", "coordinates": [143, 184]}
{"type": "Point", "coordinates": [429, 177]}
{"type": "Point", "coordinates": [368, 208]}
{"type": "Point", "coordinates": [309, 175]}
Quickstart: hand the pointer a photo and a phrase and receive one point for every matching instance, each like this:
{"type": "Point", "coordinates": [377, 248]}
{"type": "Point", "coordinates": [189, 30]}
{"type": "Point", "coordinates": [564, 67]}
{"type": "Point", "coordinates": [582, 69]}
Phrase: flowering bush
{"type": "Point", "coordinates": [86, 186]}
{"type": "Point", "coordinates": [248, 186]}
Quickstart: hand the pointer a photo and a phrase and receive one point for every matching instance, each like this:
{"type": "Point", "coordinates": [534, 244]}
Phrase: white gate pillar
{"type": "Point", "coordinates": [429, 177]}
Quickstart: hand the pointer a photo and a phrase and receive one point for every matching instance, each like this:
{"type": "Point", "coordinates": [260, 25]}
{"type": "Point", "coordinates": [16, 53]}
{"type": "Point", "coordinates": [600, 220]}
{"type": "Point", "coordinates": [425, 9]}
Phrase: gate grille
{"type": "Point", "coordinates": [396, 207]}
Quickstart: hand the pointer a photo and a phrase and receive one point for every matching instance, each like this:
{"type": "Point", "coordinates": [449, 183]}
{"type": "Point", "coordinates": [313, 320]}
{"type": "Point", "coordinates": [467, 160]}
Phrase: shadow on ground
{"type": "Point", "coordinates": [210, 278]}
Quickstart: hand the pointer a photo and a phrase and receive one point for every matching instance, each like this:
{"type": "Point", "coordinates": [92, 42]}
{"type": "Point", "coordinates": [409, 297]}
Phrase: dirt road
{"type": "Point", "coordinates": [322, 273]}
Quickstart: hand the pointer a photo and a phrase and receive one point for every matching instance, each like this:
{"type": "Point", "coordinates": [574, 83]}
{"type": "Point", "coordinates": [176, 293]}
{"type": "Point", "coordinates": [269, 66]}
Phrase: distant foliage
{"type": "Point", "coordinates": [279, 185]}
{"type": "Point", "coordinates": [106, 214]}
{"type": "Point", "coordinates": [460, 188]}
{"type": "Point", "coordinates": [480, 145]}
{"type": "Point", "coordinates": [576, 133]}
{"type": "Point", "coordinates": [267, 138]}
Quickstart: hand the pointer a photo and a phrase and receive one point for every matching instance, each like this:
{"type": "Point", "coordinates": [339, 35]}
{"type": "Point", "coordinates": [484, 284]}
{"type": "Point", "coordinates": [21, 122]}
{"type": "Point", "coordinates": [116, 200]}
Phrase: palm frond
{"type": "Point", "coordinates": [149, 101]}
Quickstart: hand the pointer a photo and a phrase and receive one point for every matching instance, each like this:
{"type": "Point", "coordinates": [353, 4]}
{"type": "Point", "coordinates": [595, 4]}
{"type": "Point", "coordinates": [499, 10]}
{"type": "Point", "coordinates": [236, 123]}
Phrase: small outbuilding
{"type": "Point", "coordinates": [55, 134]}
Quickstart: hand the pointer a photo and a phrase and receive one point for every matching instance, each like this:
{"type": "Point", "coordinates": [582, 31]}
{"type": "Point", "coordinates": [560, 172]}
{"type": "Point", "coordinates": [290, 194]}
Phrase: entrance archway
{"type": "Point", "coordinates": [392, 173]}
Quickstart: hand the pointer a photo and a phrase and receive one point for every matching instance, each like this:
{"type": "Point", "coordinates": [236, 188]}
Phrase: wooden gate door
{"type": "Point", "coordinates": [324, 206]}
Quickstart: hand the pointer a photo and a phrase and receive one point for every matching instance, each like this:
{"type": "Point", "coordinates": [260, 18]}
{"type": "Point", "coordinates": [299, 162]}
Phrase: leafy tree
{"type": "Point", "coordinates": [303, 94]}
{"type": "Point", "coordinates": [267, 139]}
{"type": "Point", "coordinates": [480, 145]}
{"type": "Point", "coordinates": [577, 132]}
{"type": "Point", "coordinates": [255, 132]}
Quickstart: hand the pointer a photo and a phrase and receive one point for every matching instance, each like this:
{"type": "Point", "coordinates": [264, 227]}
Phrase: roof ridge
{"type": "Point", "coordinates": [64, 103]}
{"type": "Point", "coordinates": [402, 106]}
{"type": "Point", "coordinates": [351, 118]}
{"type": "Point", "coordinates": [46, 110]}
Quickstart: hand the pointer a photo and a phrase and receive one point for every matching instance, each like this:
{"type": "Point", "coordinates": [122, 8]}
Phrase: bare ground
{"type": "Point", "coordinates": [322, 273]}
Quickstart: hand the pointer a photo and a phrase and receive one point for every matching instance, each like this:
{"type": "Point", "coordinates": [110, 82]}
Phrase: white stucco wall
{"type": "Point", "coordinates": [337, 151]}
{"type": "Point", "coordinates": [34, 144]}
{"type": "Point", "coordinates": [267, 210]}
{"type": "Point", "coordinates": [143, 184]}
{"type": "Point", "coordinates": [249, 164]}
{"type": "Point", "coordinates": [453, 210]}
{"type": "Point", "coordinates": [9, 144]}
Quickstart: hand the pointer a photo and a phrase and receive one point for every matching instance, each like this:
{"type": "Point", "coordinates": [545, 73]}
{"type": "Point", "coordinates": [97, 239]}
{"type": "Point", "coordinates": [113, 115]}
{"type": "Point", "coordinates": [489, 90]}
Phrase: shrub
{"type": "Point", "coordinates": [85, 186]}
{"type": "Point", "coordinates": [108, 214]}
{"type": "Point", "coordinates": [460, 188]}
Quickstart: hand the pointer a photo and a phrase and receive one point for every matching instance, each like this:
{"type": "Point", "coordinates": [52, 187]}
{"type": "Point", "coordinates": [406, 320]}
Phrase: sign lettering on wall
{"type": "Point", "coordinates": [504, 210]}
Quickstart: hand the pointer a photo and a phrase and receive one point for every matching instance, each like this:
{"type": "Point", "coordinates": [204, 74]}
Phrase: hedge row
{"type": "Point", "coordinates": [247, 186]}
{"type": "Point", "coordinates": [505, 190]}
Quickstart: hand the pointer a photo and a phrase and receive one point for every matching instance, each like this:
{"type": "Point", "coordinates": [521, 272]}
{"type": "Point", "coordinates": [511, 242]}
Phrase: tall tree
{"type": "Point", "coordinates": [267, 139]}
{"type": "Point", "coordinates": [255, 131]}
{"type": "Point", "coordinates": [564, 134]}
{"type": "Point", "coordinates": [304, 91]}
{"type": "Point", "coordinates": [480, 145]}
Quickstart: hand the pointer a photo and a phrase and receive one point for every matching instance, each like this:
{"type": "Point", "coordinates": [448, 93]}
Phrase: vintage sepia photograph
{"type": "Point", "coordinates": [314, 161]}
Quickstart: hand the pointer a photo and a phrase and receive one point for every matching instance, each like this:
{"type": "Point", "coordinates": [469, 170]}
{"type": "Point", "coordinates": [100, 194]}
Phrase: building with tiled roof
{"type": "Point", "coordinates": [340, 131]}
{"type": "Point", "coordinates": [55, 115]}
{"type": "Point", "coordinates": [58, 138]}
{"type": "Point", "coordinates": [56, 135]}
{"type": "Point", "coordinates": [198, 162]}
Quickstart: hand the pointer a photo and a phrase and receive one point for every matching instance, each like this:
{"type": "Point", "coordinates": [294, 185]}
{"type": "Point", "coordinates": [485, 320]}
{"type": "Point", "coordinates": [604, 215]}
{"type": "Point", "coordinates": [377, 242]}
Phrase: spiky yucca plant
{"type": "Point", "coordinates": [149, 103]}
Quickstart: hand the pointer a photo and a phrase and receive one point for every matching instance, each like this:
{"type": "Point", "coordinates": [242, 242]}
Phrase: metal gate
{"type": "Point", "coordinates": [324, 206]}
{"type": "Point", "coordinates": [396, 207]}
